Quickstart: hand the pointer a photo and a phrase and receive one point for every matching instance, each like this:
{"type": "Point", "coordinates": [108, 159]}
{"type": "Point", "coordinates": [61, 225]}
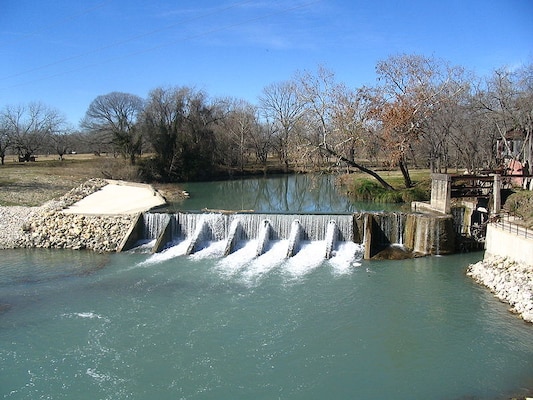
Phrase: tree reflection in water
{"type": "Point", "coordinates": [298, 193]}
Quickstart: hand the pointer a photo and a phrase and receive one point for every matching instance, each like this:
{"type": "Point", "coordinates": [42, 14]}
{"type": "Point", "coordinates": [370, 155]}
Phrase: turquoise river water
{"type": "Point", "coordinates": [80, 325]}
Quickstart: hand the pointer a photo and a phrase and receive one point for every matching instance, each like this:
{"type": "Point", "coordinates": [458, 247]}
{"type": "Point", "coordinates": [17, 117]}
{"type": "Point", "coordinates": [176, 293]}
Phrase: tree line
{"type": "Point", "coordinates": [422, 112]}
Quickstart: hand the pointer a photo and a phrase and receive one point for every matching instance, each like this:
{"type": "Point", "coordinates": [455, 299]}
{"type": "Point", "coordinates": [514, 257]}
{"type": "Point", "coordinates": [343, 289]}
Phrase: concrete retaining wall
{"type": "Point", "coordinates": [507, 269]}
{"type": "Point", "coordinates": [506, 244]}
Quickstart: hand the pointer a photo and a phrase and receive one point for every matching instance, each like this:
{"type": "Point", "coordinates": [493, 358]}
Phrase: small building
{"type": "Point", "coordinates": [513, 147]}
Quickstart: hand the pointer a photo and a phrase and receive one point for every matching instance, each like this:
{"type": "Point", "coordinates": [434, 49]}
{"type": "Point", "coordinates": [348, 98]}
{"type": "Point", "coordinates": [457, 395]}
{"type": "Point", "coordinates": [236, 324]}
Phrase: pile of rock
{"type": "Point", "coordinates": [510, 281]}
{"type": "Point", "coordinates": [58, 230]}
{"type": "Point", "coordinates": [12, 219]}
{"type": "Point", "coordinates": [48, 227]}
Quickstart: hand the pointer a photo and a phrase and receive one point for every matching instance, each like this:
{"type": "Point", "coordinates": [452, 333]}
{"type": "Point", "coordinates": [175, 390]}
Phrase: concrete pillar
{"type": "Point", "coordinates": [367, 243]}
{"type": "Point", "coordinates": [133, 235]}
{"type": "Point", "coordinates": [164, 237]}
{"type": "Point", "coordinates": [441, 192]}
{"type": "Point", "coordinates": [497, 194]}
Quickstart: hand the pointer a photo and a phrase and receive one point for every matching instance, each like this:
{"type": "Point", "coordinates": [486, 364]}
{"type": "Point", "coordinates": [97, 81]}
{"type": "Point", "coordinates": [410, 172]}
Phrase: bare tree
{"type": "Point", "coordinates": [411, 89]}
{"type": "Point", "coordinates": [282, 110]}
{"type": "Point", "coordinates": [28, 127]}
{"type": "Point", "coordinates": [61, 142]}
{"type": "Point", "coordinates": [524, 103]}
{"type": "Point", "coordinates": [335, 119]}
{"type": "Point", "coordinates": [317, 94]}
{"type": "Point", "coordinates": [115, 115]}
{"type": "Point", "coordinates": [472, 137]}
{"type": "Point", "coordinates": [5, 142]}
{"type": "Point", "coordinates": [508, 103]}
{"type": "Point", "coordinates": [261, 142]}
{"type": "Point", "coordinates": [179, 124]}
{"type": "Point", "coordinates": [238, 129]}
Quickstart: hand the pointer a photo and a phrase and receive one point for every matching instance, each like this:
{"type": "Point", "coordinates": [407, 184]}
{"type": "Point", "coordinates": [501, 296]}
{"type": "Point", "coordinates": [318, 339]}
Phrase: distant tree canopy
{"type": "Point", "coordinates": [28, 128]}
{"type": "Point", "coordinates": [179, 125]}
{"type": "Point", "coordinates": [422, 112]}
{"type": "Point", "coordinates": [114, 117]}
{"type": "Point", "coordinates": [411, 91]}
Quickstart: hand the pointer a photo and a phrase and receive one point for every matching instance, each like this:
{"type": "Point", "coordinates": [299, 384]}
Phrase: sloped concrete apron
{"type": "Point", "coordinates": [118, 197]}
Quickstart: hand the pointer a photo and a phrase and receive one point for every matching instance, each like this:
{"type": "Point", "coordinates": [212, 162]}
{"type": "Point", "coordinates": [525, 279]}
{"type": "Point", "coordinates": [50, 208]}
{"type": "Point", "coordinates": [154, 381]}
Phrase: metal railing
{"type": "Point", "coordinates": [506, 222]}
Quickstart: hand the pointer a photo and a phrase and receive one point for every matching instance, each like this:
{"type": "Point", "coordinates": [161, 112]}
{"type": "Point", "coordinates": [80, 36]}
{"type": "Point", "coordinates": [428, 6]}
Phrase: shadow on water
{"type": "Point", "coordinates": [34, 266]}
{"type": "Point", "coordinates": [27, 275]}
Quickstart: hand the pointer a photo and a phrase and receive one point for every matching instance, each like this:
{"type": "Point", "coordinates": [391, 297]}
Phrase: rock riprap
{"type": "Point", "coordinates": [48, 227]}
{"type": "Point", "coordinates": [58, 230]}
{"type": "Point", "coordinates": [510, 281]}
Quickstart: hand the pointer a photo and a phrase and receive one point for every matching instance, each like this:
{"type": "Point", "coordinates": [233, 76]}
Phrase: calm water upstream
{"type": "Point", "coordinates": [279, 194]}
{"type": "Point", "coordinates": [78, 325]}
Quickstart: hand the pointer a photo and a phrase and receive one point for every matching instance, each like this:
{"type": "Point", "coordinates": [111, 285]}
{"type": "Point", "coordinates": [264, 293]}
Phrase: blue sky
{"type": "Point", "coordinates": [64, 53]}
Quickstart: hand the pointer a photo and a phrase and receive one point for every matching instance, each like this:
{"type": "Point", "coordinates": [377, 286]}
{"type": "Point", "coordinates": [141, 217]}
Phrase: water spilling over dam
{"type": "Point", "coordinates": [415, 234]}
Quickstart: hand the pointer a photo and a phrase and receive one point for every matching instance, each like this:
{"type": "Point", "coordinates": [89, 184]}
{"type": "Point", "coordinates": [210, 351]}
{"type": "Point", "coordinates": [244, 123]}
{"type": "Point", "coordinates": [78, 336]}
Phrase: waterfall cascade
{"type": "Point", "coordinates": [153, 224]}
{"type": "Point", "coordinates": [418, 234]}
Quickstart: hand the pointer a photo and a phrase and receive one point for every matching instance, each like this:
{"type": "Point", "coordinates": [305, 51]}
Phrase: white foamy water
{"type": "Point", "coordinates": [346, 257]}
{"type": "Point", "coordinates": [310, 256]}
{"type": "Point", "coordinates": [267, 262]}
{"type": "Point", "coordinates": [172, 252]}
{"type": "Point", "coordinates": [210, 250]}
{"type": "Point", "coordinates": [89, 315]}
{"type": "Point", "coordinates": [237, 260]}
{"type": "Point", "coordinates": [250, 267]}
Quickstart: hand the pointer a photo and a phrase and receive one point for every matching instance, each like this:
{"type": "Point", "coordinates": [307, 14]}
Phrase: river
{"type": "Point", "coordinates": [76, 324]}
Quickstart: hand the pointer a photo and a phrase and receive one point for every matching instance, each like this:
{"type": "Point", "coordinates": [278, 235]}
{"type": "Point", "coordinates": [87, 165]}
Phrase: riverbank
{"type": "Point", "coordinates": [510, 281]}
{"type": "Point", "coordinates": [47, 226]}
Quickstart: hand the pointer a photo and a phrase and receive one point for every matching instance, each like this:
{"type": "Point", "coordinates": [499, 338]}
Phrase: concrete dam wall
{"type": "Point", "coordinates": [382, 235]}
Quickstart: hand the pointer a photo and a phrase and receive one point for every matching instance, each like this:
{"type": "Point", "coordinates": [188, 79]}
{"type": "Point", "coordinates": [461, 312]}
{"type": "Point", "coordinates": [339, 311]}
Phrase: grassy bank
{"type": "Point", "coordinates": [362, 187]}
{"type": "Point", "coordinates": [34, 183]}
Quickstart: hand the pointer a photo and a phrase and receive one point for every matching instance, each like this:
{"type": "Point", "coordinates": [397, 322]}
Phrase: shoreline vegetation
{"type": "Point", "coordinates": [34, 183]}
{"type": "Point", "coordinates": [360, 188]}
{"type": "Point", "coordinates": [31, 193]}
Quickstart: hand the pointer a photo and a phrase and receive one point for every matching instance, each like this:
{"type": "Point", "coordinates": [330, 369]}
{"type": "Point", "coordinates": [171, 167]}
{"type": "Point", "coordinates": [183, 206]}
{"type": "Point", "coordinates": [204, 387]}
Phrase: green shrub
{"type": "Point", "coordinates": [368, 190]}
{"type": "Point", "coordinates": [521, 204]}
{"type": "Point", "coordinates": [417, 193]}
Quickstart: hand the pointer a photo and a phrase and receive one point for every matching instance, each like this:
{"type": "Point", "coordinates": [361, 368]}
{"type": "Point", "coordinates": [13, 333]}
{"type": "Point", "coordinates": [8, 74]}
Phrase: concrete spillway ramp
{"type": "Point", "coordinates": [118, 197]}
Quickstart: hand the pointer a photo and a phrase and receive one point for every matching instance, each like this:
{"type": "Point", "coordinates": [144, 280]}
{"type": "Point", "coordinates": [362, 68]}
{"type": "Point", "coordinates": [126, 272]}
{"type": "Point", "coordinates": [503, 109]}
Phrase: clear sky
{"type": "Point", "coordinates": [64, 53]}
